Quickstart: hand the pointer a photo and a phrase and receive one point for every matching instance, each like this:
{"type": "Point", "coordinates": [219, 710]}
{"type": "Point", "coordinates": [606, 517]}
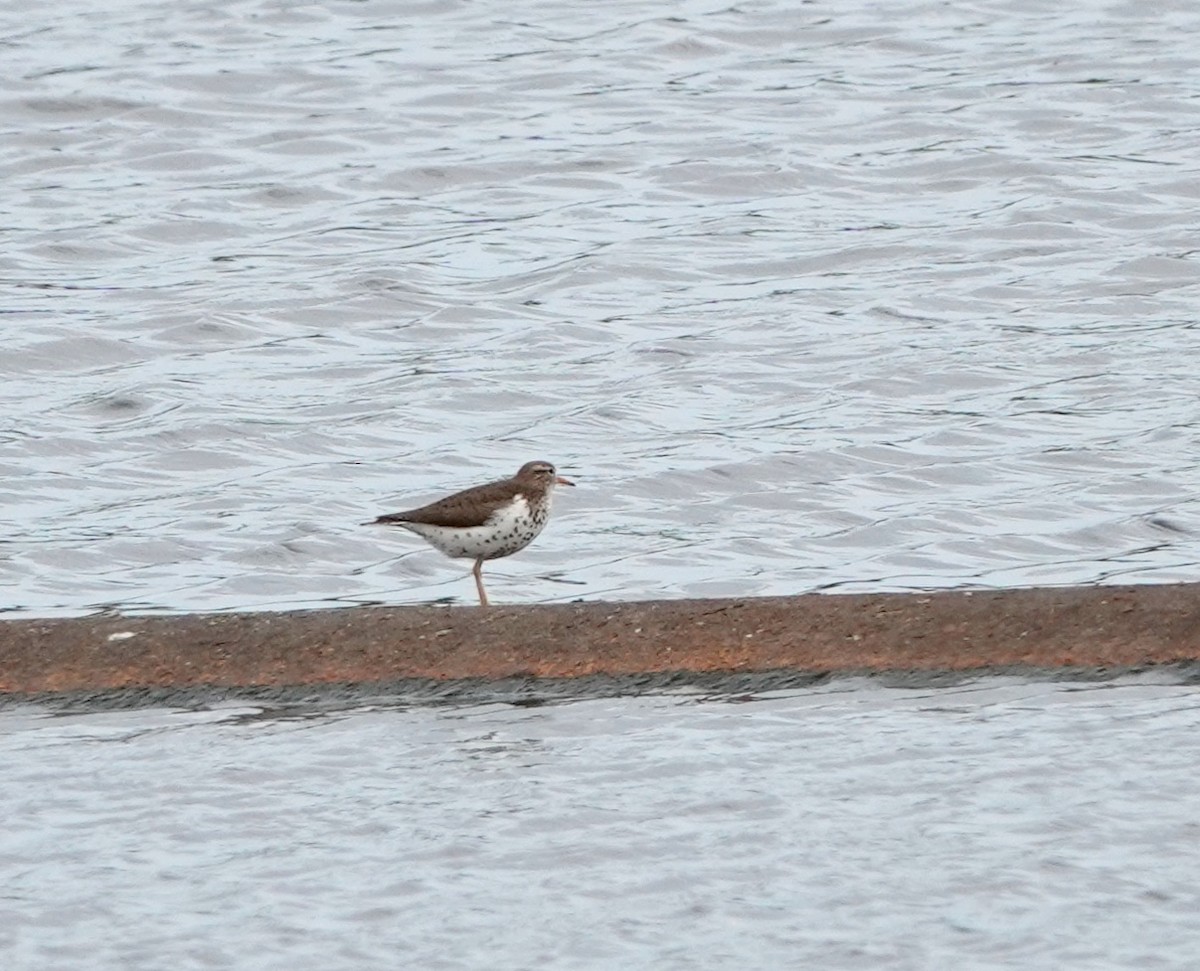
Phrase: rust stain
{"type": "Point", "coordinates": [952, 631]}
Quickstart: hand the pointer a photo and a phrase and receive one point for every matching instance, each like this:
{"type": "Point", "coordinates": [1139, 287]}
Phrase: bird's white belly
{"type": "Point", "coordinates": [511, 528]}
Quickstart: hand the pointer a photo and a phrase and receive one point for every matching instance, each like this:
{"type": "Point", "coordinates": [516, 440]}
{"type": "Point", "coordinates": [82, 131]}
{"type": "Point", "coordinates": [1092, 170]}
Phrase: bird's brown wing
{"type": "Point", "coordinates": [471, 507]}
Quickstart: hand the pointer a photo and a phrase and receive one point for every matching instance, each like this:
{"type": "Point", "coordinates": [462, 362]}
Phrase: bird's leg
{"type": "Point", "coordinates": [478, 571]}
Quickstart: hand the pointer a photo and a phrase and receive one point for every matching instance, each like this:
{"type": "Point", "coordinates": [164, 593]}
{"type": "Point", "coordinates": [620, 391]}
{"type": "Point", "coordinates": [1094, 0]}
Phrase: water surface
{"type": "Point", "coordinates": [997, 824]}
{"type": "Point", "coordinates": [818, 296]}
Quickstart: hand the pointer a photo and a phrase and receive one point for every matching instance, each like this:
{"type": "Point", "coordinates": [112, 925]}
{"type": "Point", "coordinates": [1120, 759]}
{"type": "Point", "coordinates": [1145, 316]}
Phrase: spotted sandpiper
{"type": "Point", "coordinates": [487, 521]}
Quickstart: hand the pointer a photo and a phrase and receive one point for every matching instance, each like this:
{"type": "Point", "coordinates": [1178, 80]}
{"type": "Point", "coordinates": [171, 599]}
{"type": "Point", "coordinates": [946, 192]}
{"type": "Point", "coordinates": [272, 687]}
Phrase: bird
{"type": "Point", "coordinates": [486, 521]}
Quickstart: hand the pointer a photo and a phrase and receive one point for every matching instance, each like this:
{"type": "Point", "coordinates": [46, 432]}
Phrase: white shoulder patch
{"type": "Point", "coordinates": [511, 512]}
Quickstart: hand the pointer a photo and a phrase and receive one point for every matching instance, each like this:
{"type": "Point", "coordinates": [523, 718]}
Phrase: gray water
{"type": "Point", "coordinates": [806, 296]}
{"type": "Point", "coordinates": [855, 826]}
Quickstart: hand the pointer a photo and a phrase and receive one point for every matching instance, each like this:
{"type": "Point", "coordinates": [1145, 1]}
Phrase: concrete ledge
{"type": "Point", "coordinates": [1079, 628]}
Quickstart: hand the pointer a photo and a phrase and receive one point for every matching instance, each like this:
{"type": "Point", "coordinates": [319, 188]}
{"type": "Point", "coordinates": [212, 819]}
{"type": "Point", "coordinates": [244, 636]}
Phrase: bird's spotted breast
{"type": "Point", "coordinates": [510, 528]}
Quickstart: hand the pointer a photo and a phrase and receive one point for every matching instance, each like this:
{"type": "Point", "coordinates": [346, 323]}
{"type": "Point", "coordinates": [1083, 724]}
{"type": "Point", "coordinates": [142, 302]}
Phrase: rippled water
{"type": "Point", "coordinates": [993, 825]}
{"type": "Point", "coordinates": [867, 296]}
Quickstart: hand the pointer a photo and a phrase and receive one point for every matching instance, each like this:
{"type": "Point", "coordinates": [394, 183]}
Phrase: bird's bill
{"type": "Point", "coordinates": [561, 481]}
